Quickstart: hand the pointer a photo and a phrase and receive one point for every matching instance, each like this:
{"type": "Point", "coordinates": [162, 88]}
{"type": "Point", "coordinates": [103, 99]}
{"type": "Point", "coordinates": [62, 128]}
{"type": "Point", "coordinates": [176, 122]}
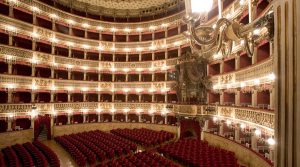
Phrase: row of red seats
{"type": "Point", "coordinates": [141, 159]}
{"type": "Point", "coordinates": [145, 137]}
{"type": "Point", "coordinates": [89, 146]}
{"type": "Point", "coordinates": [49, 154]}
{"type": "Point", "coordinates": [11, 157]}
{"type": "Point", "coordinates": [38, 158]}
{"type": "Point", "coordinates": [193, 152]}
{"type": "Point", "coordinates": [2, 162]}
{"type": "Point", "coordinates": [77, 155]}
{"type": "Point", "coordinates": [23, 155]}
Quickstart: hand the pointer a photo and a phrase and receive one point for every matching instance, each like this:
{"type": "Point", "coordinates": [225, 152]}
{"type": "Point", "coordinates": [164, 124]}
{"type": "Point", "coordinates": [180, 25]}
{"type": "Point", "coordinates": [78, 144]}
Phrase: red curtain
{"type": "Point", "coordinates": [42, 122]}
{"type": "Point", "coordinates": [189, 126]}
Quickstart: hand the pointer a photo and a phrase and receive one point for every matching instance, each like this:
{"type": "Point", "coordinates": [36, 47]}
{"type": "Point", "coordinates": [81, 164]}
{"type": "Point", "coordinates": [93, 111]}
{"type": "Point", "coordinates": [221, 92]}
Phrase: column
{"type": "Point", "coordinates": [84, 118]}
{"type": "Point", "coordinates": [237, 98]}
{"type": "Point", "coordinates": [166, 76]}
{"type": "Point", "coordinates": [237, 62]}
{"type": "Point", "coordinates": [205, 128]}
{"type": "Point", "coordinates": [250, 11]}
{"type": "Point", "coordinates": [85, 33]}
{"type": "Point", "coordinates": [32, 122]}
{"type": "Point", "coordinates": [254, 139]}
{"type": "Point", "coordinates": [166, 119]}
{"type": "Point", "coordinates": [237, 131]}
{"type": "Point", "coordinates": [113, 77]}
{"type": "Point", "coordinates": [32, 96]}
{"type": "Point", "coordinates": [99, 97]}
{"type": "Point", "coordinates": [222, 124]}
{"type": "Point", "coordinates": [254, 98]}
{"type": "Point", "coordinates": [140, 118]}
{"type": "Point", "coordinates": [69, 51]}
{"type": "Point", "coordinates": [69, 97]}
{"type": "Point", "coordinates": [254, 57]}
{"type": "Point", "coordinates": [99, 77]}
{"type": "Point", "coordinates": [126, 97]}
{"type": "Point", "coordinates": [112, 117]}
{"type": "Point", "coordinates": [140, 98]}
{"type": "Point", "coordinates": [166, 98]}
{"type": "Point", "coordinates": [32, 70]}
{"type": "Point", "coordinates": [69, 74]}
{"type": "Point", "coordinates": [222, 98]}
{"type": "Point", "coordinates": [153, 98]}
{"type": "Point", "coordinates": [84, 75]}
{"type": "Point", "coordinates": [52, 48]}
{"type": "Point", "coordinates": [272, 98]}
{"type": "Point", "coordinates": [113, 97]}
{"type": "Point", "coordinates": [153, 56]}
{"type": "Point", "coordinates": [10, 39]}
{"type": "Point", "coordinates": [9, 124]}
{"type": "Point", "coordinates": [70, 30]}
{"type": "Point", "coordinates": [99, 117]}
{"type": "Point", "coordinates": [52, 97]}
{"type": "Point", "coordinates": [272, 152]}
{"type": "Point", "coordinates": [152, 76]}
{"type": "Point", "coordinates": [11, 11]}
{"type": "Point", "coordinates": [152, 118]}
{"type": "Point", "coordinates": [69, 119]}
{"type": "Point", "coordinates": [52, 124]}
{"type": "Point", "coordinates": [52, 72]}
{"type": "Point", "coordinates": [140, 36]}
{"type": "Point", "coordinates": [33, 44]}
{"type": "Point", "coordinates": [126, 77]}
{"type": "Point", "coordinates": [126, 117]}
{"type": "Point", "coordinates": [222, 67]}
{"type": "Point", "coordinates": [34, 18]}
{"type": "Point", "coordinates": [9, 96]}
{"type": "Point", "coordinates": [140, 77]}
{"type": "Point", "coordinates": [140, 56]}
{"type": "Point", "coordinates": [53, 25]}
{"type": "Point", "coordinates": [84, 96]}
{"type": "Point", "coordinates": [9, 65]}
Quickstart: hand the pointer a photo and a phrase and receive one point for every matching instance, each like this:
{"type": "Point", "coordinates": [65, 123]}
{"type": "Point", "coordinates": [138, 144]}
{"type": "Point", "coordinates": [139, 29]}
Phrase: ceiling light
{"type": "Point", "coordinates": [201, 6]}
{"type": "Point", "coordinates": [85, 25]}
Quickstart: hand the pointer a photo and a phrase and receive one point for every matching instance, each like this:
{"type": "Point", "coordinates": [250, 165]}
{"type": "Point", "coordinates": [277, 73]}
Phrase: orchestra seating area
{"type": "Point", "coordinates": [87, 147]}
{"type": "Point", "coordinates": [144, 137]}
{"type": "Point", "coordinates": [141, 159]}
{"type": "Point", "coordinates": [28, 155]}
{"type": "Point", "coordinates": [193, 152]}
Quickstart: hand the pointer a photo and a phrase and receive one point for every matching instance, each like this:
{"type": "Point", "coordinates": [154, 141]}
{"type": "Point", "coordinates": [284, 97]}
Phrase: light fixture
{"type": "Point", "coordinates": [100, 28]}
{"type": "Point", "coordinates": [10, 28]}
{"type": "Point", "coordinates": [256, 82]}
{"type": "Point", "coordinates": [215, 119]}
{"type": "Point", "coordinates": [70, 44]}
{"type": "Point", "coordinates": [85, 25]}
{"type": "Point", "coordinates": [113, 29]}
{"type": "Point", "coordinates": [243, 84]}
{"type": "Point", "coordinates": [272, 77]}
{"type": "Point", "coordinates": [139, 49]}
{"type": "Point", "coordinates": [152, 27]}
{"type": "Point", "coordinates": [228, 122]}
{"type": "Point", "coordinates": [70, 88]}
{"type": "Point", "coordinates": [139, 29]}
{"type": "Point", "coordinates": [53, 16]}
{"type": "Point", "coordinates": [70, 22]}
{"type": "Point", "coordinates": [35, 9]}
{"type": "Point", "coordinates": [242, 125]}
{"type": "Point", "coordinates": [127, 29]}
{"type": "Point", "coordinates": [84, 46]}
{"type": "Point", "coordinates": [257, 132]}
{"type": "Point", "coordinates": [35, 35]}
{"type": "Point", "coordinates": [219, 37]}
{"type": "Point", "coordinates": [271, 141]}
{"type": "Point", "coordinates": [54, 40]}
{"type": "Point", "coordinates": [256, 31]}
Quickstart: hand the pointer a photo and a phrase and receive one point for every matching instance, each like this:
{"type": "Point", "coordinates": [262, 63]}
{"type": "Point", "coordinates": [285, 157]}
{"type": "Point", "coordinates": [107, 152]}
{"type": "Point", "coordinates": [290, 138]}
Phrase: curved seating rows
{"type": "Point", "coordinates": [38, 158]}
{"type": "Point", "coordinates": [193, 152]}
{"type": "Point", "coordinates": [87, 147]}
{"type": "Point", "coordinates": [23, 155]}
{"type": "Point", "coordinates": [143, 136]}
{"type": "Point", "coordinates": [49, 154]}
{"type": "Point", "coordinates": [141, 159]}
{"type": "Point", "coordinates": [28, 155]}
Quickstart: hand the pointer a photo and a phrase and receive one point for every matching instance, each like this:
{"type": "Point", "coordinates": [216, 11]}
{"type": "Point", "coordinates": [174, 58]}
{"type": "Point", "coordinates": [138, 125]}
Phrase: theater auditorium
{"type": "Point", "coordinates": [149, 83]}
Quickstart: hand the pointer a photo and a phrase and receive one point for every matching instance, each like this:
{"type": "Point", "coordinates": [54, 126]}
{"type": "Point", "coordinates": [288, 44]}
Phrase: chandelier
{"type": "Point", "coordinates": [219, 38]}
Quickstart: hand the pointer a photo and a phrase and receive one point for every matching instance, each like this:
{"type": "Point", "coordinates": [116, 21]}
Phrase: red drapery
{"type": "Point", "coordinates": [42, 122]}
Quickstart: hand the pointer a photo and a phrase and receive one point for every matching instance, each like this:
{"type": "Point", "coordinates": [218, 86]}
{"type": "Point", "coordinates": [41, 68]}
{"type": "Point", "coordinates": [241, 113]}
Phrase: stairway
{"type": "Point", "coordinates": [43, 135]}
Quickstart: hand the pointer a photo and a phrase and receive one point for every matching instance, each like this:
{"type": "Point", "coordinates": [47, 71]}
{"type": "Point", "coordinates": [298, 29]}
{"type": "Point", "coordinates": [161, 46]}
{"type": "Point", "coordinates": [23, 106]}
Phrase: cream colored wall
{"type": "Point", "coordinates": [11, 138]}
{"type": "Point", "coordinates": [244, 155]}
{"type": "Point", "coordinates": [76, 128]}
